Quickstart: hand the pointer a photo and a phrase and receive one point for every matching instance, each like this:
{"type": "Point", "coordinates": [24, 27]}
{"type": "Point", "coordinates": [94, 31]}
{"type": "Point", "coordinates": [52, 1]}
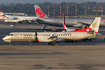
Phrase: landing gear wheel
{"type": "Point", "coordinates": [9, 43]}
{"type": "Point", "coordinates": [52, 43]}
{"type": "Point", "coordinates": [72, 41]}
{"type": "Point", "coordinates": [15, 43]}
{"type": "Point", "coordinates": [90, 40]}
{"type": "Point", "coordinates": [84, 40]}
{"type": "Point", "coordinates": [49, 43]}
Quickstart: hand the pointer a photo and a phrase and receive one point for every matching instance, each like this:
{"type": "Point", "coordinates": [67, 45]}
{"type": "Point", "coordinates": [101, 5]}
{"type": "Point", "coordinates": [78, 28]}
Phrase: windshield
{"type": "Point", "coordinates": [10, 35]}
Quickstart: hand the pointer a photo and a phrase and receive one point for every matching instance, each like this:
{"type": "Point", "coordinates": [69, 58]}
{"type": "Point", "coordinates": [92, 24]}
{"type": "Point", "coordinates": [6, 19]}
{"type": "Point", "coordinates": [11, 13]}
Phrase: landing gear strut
{"type": "Point", "coordinates": [9, 43]}
{"type": "Point", "coordinates": [90, 40]}
{"type": "Point", "coordinates": [15, 43]}
{"type": "Point", "coordinates": [51, 43]}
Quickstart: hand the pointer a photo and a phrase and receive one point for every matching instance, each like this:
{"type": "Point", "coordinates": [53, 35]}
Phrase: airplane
{"type": "Point", "coordinates": [76, 30]}
{"type": "Point", "coordinates": [16, 19]}
{"type": "Point", "coordinates": [52, 37]}
{"type": "Point", "coordinates": [42, 18]}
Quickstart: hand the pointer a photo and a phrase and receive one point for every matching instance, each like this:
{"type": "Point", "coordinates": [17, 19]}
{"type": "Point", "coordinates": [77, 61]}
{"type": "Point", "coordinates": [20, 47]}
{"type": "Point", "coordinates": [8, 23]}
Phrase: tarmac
{"type": "Point", "coordinates": [40, 56]}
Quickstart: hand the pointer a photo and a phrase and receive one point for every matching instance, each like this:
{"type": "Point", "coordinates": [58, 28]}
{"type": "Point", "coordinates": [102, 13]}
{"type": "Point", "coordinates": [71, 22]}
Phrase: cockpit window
{"type": "Point", "coordinates": [10, 35]}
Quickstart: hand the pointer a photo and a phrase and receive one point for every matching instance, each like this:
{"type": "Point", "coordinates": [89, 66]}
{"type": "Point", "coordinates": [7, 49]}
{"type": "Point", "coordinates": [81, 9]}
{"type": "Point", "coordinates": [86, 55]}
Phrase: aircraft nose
{"type": "Point", "coordinates": [4, 38]}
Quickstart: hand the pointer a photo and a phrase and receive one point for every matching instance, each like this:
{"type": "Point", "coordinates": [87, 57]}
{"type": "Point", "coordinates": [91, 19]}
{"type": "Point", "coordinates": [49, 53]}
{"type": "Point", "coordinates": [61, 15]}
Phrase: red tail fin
{"type": "Point", "coordinates": [39, 12]}
{"type": "Point", "coordinates": [63, 21]}
{"type": "Point", "coordinates": [2, 14]}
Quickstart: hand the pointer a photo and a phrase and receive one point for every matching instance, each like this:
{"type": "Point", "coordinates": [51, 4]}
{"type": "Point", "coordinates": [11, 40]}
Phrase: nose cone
{"type": "Point", "coordinates": [4, 38]}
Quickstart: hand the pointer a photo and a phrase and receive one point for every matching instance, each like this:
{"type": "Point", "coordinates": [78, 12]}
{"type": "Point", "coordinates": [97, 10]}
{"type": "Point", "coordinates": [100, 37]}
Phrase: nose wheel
{"type": "Point", "coordinates": [9, 43]}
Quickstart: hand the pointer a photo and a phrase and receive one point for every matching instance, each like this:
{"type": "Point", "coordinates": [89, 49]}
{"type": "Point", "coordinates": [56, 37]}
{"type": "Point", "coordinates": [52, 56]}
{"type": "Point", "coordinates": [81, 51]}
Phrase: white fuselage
{"type": "Point", "coordinates": [16, 19]}
{"type": "Point", "coordinates": [46, 36]}
{"type": "Point", "coordinates": [70, 22]}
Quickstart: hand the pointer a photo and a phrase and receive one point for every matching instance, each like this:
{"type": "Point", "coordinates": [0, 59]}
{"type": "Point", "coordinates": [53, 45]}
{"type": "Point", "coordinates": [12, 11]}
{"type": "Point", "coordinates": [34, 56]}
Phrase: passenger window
{"type": "Point", "coordinates": [14, 35]}
{"type": "Point", "coordinates": [25, 35]}
{"type": "Point", "coordinates": [68, 34]}
{"type": "Point", "coordinates": [20, 34]}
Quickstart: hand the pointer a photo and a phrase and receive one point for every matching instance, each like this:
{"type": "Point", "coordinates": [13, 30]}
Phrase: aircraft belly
{"type": "Point", "coordinates": [60, 39]}
{"type": "Point", "coordinates": [44, 39]}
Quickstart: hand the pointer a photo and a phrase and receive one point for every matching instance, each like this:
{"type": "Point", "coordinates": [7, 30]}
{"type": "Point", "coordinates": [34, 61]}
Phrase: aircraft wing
{"type": "Point", "coordinates": [84, 23]}
{"type": "Point", "coordinates": [81, 24]}
{"type": "Point", "coordinates": [53, 37]}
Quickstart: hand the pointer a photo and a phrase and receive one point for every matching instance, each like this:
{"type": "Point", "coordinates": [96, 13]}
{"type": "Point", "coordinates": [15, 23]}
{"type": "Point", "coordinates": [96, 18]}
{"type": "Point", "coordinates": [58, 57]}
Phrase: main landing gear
{"type": "Point", "coordinates": [51, 43]}
{"type": "Point", "coordinates": [84, 40]}
{"type": "Point", "coordinates": [9, 43]}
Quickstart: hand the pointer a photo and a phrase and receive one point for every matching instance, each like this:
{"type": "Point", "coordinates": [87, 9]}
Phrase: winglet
{"type": "Point", "coordinates": [64, 26]}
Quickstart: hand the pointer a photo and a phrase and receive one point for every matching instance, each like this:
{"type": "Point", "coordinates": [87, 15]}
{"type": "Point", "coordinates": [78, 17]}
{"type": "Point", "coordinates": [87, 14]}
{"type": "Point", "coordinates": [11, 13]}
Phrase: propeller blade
{"type": "Point", "coordinates": [36, 35]}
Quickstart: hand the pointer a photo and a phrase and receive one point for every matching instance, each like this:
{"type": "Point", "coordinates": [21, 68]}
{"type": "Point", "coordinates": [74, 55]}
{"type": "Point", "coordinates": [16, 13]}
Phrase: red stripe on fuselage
{"type": "Point", "coordinates": [103, 19]}
{"type": "Point", "coordinates": [2, 15]}
{"type": "Point", "coordinates": [84, 30]}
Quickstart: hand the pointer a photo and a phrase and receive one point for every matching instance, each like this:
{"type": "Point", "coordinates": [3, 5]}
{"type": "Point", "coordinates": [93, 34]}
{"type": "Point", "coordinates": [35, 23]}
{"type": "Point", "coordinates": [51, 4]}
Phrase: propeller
{"type": "Point", "coordinates": [35, 36]}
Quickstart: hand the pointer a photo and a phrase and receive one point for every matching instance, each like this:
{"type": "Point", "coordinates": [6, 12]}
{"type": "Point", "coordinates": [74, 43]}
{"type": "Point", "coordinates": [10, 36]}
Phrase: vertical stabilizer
{"type": "Point", "coordinates": [64, 26]}
{"type": "Point", "coordinates": [95, 24]}
{"type": "Point", "coordinates": [2, 14]}
{"type": "Point", "coordinates": [39, 12]}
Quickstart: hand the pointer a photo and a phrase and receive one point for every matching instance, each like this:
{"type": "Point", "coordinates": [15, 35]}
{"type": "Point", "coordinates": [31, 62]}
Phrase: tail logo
{"type": "Point", "coordinates": [40, 13]}
{"type": "Point", "coordinates": [88, 30]}
{"type": "Point", "coordinates": [95, 25]}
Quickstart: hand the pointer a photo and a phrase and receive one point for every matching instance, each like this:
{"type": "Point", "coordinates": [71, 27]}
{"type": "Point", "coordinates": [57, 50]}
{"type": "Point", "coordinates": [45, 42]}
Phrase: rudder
{"type": "Point", "coordinates": [39, 12]}
{"type": "Point", "coordinates": [95, 24]}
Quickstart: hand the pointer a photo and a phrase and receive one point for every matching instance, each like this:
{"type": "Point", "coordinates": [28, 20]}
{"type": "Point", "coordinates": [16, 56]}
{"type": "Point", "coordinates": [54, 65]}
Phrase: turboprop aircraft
{"type": "Point", "coordinates": [52, 37]}
{"type": "Point", "coordinates": [42, 18]}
